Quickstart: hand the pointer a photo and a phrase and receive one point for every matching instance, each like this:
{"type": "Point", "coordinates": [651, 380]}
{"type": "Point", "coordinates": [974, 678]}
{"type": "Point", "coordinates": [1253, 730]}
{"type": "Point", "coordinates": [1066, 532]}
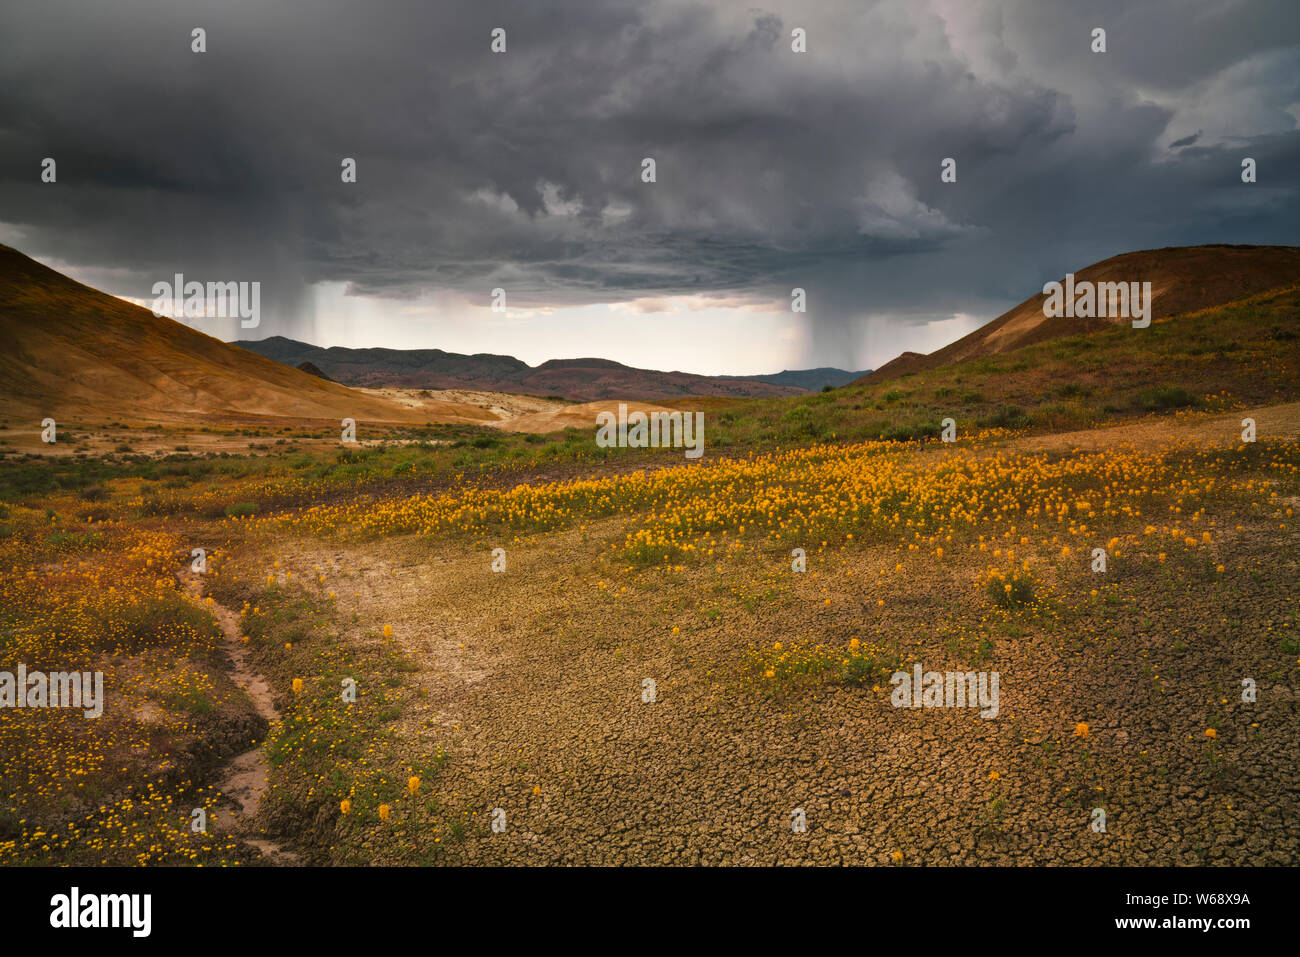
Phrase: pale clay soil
{"type": "Point", "coordinates": [501, 410]}
{"type": "Point", "coordinates": [502, 405]}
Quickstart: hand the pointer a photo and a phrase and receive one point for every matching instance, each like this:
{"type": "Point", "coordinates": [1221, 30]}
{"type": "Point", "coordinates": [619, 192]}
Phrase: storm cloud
{"type": "Point", "coordinates": [522, 169]}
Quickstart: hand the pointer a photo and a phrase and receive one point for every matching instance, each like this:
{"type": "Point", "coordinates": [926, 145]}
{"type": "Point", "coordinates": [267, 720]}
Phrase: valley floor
{"type": "Point", "coordinates": [645, 678]}
{"type": "Point", "coordinates": [531, 681]}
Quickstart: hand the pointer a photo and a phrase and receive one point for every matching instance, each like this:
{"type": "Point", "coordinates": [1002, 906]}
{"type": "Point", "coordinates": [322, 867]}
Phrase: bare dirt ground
{"type": "Point", "coordinates": [243, 781]}
{"type": "Point", "coordinates": [1274, 421]}
{"type": "Point", "coordinates": [502, 406]}
{"type": "Point", "coordinates": [580, 416]}
{"type": "Point", "coordinates": [534, 681]}
{"type": "Point", "coordinates": [515, 413]}
{"type": "Point", "coordinates": [518, 413]}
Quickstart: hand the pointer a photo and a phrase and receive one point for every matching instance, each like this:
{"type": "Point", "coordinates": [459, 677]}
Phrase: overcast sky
{"type": "Point", "coordinates": [522, 169]}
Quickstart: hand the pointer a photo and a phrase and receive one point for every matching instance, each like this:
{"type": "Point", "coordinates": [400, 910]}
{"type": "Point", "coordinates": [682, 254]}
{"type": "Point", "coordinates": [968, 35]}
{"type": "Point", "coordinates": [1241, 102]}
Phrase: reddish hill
{"type": "Point", "coordinates": [73, 351]}
{"type": "Point", "coordinates": [1183, 279]}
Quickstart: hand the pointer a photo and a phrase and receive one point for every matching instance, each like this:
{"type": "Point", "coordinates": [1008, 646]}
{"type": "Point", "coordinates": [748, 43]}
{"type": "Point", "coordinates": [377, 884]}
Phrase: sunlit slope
{"type": "Point", "coordinates": [73, 351]}
{"type": "Point", "coordinates": [1243, 354]}
{"type": "Point", "coordinates": [1183, 279]}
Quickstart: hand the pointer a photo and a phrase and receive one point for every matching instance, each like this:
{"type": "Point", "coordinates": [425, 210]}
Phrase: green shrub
{"type": "Point", "coordinates": [1165, 397]}
{"type": "Point", "coordinates": [1013, 591]}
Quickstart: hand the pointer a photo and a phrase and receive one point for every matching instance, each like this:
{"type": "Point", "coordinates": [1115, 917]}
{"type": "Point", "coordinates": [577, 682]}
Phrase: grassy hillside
{"type": "Point", "coordinates": [1244, 353]}
{"type": "Point", "coordinates": [1182, 279]}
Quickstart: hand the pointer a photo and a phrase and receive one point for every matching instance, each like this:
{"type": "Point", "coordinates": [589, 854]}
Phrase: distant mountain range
{"type": "Point", "coordinates": [807, 380]}
{"type": "Point", "coordinates": [580, 380]}
{"type": "Point", "coordinates": [73, 351]}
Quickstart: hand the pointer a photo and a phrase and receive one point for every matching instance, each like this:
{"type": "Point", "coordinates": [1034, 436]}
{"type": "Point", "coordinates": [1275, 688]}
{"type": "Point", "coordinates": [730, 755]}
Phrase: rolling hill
{"type": "Point", "coordinates": [1244, 354]}
{"type": "Point", "coordinates": [73, 351]}
{"type": "Point", "coordinates": [1183, 279]}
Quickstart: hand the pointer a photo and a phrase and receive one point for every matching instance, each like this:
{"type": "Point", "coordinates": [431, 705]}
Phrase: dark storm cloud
{"type": "Point", "coordinates": [775, 169]}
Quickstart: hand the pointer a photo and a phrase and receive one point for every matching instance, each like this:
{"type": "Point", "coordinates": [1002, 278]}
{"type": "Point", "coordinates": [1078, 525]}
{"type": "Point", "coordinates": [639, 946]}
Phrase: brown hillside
{"type": "Point", "coordinates": [1183, 279]}
{"type": "Point", "coordinates": [73, 351]}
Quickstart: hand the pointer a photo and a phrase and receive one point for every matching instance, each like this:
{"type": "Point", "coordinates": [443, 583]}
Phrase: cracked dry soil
{"type": "Point", "coordinates": [532, 682]}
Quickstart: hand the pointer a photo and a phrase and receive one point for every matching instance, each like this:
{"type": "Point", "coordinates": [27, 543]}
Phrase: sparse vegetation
{"type": "Point", "coordinates": [374, 564]}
